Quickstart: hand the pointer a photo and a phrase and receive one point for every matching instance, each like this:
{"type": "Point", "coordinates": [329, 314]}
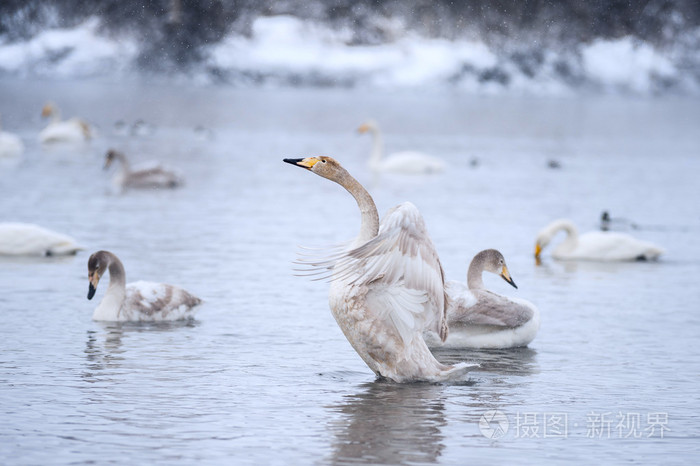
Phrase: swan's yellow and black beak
{"type": "Point", "coordinates": [538, 251]}
{"type": "Point", "coordinates": [506, 276]}
{"type": "Point", "coordinates": [307, 163]}
{"type": "Point", "coordinates": [46, 111]}
{"type": "Point", "coordinates": [94, 278]}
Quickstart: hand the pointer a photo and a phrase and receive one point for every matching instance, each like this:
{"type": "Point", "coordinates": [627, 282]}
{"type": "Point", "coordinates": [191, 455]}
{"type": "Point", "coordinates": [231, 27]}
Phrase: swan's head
{"type": "Point", "coordinates": [110, 157]}
{"type": "Point", "coordinates": [545, 236]}
{"type": "Point", "coordinates": [494, 262]}
{"type": "Point", "coordinates": [326, 167]}
{"type": "Point", "coordinates": [48, 110]}
{"type": "Point", "coordinates": [542, 240]}
{"type": "Point", "coordinates": [97, 264]}
{"type": "Point", "coordinates": [367, 126]}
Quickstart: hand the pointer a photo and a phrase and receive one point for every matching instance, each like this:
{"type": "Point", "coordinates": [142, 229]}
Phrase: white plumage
{"type": "Point", "coordinates": [387, 288]}
{"type": "Point", "coordinates": [137, 301]}
{"type": "Point", "coordinates": [406, 162]}
{"type": "Point", "coordinates": [595, 245]}
{"type": "Point", "coordinates": [27, 239]}
{"type": "Point", "coordinates": [72, 130]}
{"type": "Point", "coordinates": [10, 145]}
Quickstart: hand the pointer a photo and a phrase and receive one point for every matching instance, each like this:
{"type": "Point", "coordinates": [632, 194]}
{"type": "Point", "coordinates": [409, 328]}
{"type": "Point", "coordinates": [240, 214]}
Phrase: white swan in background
{"type": "Point", "coordinates": [407, 162]}
{"type": "Point", "coordinates": [479, 318]}
{"type": "Point", "coordinates": [595, 245]}
{"type": "Point", "coordinates": [138, 301]}
{"type": "Point", "coordinates": [27, 239]}
{"type": "Point", "coordinates": [10, 144]}
{"type": "Point", "coordinates": [72, 130]}
{"type": "Point", "coordinates": [387, 288]}
{"type": "Point", "coordinates": [152, 175]}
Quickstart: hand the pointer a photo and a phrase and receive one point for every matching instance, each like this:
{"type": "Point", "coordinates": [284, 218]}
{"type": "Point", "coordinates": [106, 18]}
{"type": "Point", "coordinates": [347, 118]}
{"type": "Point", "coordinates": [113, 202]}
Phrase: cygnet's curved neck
{"type": "Point", "coordinates": [369, 227]}
{"type": "Point", "coordinates": [111, 302]}
{"type": "Point", "coordinates": [117, 275]}
{"type": "Point", "coordinates": [125, 167]}
{"type": "Point", "coordinates": [475, 273]}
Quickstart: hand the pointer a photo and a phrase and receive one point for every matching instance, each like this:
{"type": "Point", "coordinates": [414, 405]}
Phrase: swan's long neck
{"type": "Point", "coordinates": [571, 240]}
{"type": "Point", "coordinates": [377, 147]}
{"type": "Point", "coordinates": [111, 303]}
{"type": "Point", "coordinates": [369, 227]}
{"type": "Point", "coordinates": [475, 279]}
{"type": "Point", "coordinates": [55, 115]}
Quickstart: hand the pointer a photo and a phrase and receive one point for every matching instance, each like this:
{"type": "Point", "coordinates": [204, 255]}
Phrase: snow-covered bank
{"type": "Point", "coordinates": [285, 50]}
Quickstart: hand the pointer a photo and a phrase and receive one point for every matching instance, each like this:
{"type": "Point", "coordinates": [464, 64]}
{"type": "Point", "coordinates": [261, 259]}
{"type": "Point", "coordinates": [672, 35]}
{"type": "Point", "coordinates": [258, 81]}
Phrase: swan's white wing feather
{"type": "Point", "coordinates": [614, 246]}
{"type": "Point", "coordinates": [402, 271]}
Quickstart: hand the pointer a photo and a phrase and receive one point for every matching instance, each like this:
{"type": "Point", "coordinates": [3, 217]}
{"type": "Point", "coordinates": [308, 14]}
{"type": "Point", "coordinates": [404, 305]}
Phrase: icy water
{"type": "Point", "coordinates": [264, 375]}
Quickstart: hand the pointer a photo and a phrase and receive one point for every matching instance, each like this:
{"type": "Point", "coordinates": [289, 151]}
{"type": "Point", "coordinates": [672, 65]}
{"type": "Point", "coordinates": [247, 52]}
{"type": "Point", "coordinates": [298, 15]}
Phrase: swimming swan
{"type": "Point", "coordinates": [27, 239]}
{"type": "Point", "coordinates": [407, 162]}
{"type": "Point", "coordinates": [72, 130]}
{"type": "Point", "coordinates": [479, 318]}
{"type": "Point", "coordinates": [387, 287]}
{"type": "Point", "coordinates": [152, 176]}
{"type": "Point", "coordinates": [10, 144]}
{"type": "Point", "coordinates": [138, 301]}
{"type": "Point", "coordinates": [595, 245]}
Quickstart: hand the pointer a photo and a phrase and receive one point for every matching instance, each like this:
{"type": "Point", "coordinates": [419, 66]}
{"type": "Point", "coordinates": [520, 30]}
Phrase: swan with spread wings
{"type": "Point", "coordinates": [387, 287]}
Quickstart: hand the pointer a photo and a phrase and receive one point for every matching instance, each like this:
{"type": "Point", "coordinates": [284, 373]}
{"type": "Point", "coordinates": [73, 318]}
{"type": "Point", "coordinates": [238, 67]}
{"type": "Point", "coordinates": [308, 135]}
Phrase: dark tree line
{"type": "Point", "coordinates": [174, 31]}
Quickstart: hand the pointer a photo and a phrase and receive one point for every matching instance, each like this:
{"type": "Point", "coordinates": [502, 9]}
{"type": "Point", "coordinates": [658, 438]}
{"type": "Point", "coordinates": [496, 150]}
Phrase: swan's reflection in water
{"type": "Point", "coordinates": [104, 348]}
{"type": "Point", "coordinates": [387, 423]}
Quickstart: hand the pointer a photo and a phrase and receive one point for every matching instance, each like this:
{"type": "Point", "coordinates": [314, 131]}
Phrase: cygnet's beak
{"type": "Point", "coordinates": [304, 163]}
{"type": "Point", "coordinates": [506, 276]}
{"type": "Point", "coordinates": [94, 280]}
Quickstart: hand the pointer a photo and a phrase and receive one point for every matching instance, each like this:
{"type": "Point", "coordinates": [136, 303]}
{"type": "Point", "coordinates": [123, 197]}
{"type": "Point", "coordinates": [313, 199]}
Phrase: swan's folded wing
{"type": "Point", "coordinates": [403, 271]}
{"type": "Point", "coordinates": [159, 300]}
{"type": "Point", "coordinates": [486, 308]}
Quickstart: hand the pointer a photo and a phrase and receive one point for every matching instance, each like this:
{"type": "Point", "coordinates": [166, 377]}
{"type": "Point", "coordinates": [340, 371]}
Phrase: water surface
{"type": "Point", "coordinates": [264, 374]}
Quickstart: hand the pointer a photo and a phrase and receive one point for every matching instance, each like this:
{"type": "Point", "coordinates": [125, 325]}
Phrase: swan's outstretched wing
{"type": "Point", "coordinates": [158, 301]}
{"type": "Point", "coordinates": [483, 307]}
{"type": "Point", "coordinates": [402, 272]}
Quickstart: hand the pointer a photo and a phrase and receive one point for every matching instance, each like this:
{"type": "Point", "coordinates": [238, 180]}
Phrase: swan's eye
{"type": "Point", "coordinates": [323, 161]}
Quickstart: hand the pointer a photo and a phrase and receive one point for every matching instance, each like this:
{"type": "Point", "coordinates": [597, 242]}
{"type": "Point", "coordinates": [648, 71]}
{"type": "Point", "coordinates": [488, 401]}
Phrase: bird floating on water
{"type": "Point", "coordinates": [27, 239]}
{"type": "Point", "coordinates": [594, 245]}
{"type": "Point", "coordinates": [387, 287]}
{"type": "Point", "coordinates": [406, 162]}
{"type": "Point", "coordinates": [151, 175]}
{"type": "Point", "coordinates": [138, 301]}
{"type": "Point", "coordinates": [58, 130]}
{"type": "Point", "coordinates": [479, 318]}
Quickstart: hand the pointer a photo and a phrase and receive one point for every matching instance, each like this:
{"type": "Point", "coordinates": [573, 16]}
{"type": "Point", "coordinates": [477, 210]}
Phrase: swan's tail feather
{"type": "Point", "coordinates": [456, 371]}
